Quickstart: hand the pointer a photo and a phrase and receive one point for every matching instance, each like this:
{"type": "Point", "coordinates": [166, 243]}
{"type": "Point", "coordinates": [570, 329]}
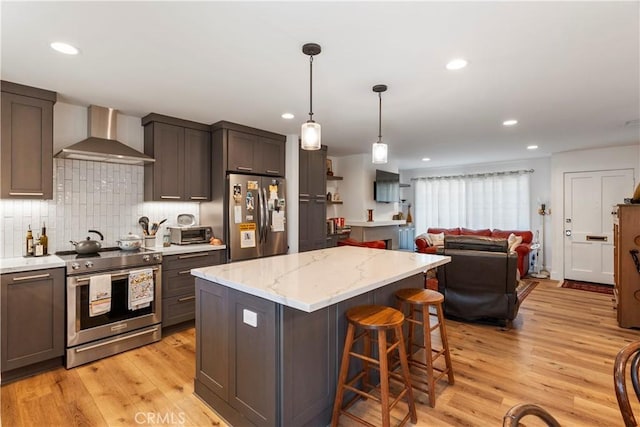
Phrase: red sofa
{"type": "Point", "coordinates": [523, 249]}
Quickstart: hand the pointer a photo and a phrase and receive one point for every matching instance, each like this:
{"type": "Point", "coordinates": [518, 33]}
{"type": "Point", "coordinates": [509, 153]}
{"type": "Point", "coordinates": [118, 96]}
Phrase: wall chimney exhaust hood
{"type": "Point", "coordinates": [102, 145]}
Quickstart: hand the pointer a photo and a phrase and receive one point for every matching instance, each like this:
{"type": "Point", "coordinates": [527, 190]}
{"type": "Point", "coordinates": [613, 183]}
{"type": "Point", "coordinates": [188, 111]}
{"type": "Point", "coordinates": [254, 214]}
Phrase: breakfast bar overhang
{"type": "Point", "coordinates": [270, 331]}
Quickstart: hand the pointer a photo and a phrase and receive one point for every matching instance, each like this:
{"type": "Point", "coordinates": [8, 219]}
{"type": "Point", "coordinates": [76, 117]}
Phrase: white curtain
{"type": "Point", "coordinates": [498, 200]}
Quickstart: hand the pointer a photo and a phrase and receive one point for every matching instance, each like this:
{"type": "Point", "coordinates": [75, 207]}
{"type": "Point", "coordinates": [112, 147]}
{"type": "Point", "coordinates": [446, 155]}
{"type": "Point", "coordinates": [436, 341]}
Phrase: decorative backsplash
{"type": "Point", "coordinates": [86, 195]}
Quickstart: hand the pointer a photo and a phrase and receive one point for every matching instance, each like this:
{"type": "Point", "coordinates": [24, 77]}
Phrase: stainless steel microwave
{"type": "Point", "coordinates": [190, 235]}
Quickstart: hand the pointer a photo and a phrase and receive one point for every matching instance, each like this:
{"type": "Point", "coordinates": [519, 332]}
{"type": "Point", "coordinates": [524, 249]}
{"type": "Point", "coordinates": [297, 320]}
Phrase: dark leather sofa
{"type": "Point", "coordinates": [480, 281]}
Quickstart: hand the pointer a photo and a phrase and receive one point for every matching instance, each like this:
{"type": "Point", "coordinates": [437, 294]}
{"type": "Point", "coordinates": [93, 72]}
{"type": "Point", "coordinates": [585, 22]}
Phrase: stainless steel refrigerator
{"type": "Point", "coordinates": [256, 221]}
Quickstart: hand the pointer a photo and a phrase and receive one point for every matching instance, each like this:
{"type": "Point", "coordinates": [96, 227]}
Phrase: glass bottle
{"type": "Point", "coordinates": [29, 244]}
{"type": "Point", "coordinates": [44, 240]}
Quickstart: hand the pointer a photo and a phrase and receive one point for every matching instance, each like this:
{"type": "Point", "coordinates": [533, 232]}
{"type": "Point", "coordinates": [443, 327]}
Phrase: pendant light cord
{"type": "Point", "coordinates": [311, 87]}
{"type": "Point", "coordinates": [380, 118]}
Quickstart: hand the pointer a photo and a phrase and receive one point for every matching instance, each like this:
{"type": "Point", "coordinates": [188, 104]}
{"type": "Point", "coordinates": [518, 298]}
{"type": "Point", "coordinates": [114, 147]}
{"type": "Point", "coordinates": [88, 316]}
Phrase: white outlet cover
{"type": "Point", "coordinates": [250, 317]}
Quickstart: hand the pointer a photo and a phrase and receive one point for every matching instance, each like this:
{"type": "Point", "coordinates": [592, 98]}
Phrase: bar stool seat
{"type": "Point", "coordinates": [374, 321]}
{"type": "Point", "coordinates": [418, 301]}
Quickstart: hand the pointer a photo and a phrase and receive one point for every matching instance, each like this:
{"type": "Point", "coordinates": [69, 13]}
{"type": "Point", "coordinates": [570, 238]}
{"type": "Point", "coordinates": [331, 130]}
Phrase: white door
{"type": "Point", "coordinates": [589, 199]}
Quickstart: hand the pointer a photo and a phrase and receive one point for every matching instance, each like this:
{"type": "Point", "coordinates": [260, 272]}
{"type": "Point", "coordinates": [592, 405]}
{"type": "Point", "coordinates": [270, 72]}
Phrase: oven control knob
{"type": "Point", "coordinates": [146, 258]}
{"type": "Point", "coordinates": [75, 266]}
{"type": "Point", "coordinates": [88, 264]}
{"type": "Point", "coordinates": [157, 257]}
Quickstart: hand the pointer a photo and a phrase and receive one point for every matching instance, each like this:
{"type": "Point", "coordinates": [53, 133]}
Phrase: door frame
{"type": "Point", "coordinates": [621, 157]}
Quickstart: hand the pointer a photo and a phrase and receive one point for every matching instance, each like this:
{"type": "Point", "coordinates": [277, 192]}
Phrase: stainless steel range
{"type": "Point", "coordinates": [117, 326]}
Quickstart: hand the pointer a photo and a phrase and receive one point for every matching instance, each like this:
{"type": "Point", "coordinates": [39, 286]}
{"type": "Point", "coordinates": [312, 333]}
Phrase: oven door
{"type": "Point", "coordinates": [83, 328]}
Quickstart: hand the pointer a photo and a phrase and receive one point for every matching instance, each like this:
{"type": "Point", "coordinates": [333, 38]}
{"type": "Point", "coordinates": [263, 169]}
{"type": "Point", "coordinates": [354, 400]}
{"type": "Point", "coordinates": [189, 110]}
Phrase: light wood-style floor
{"type": "Point", "coordinates": [559, 354]}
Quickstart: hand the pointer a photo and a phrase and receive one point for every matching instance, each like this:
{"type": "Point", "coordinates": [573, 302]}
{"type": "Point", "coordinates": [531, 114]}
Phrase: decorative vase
{"type": "Point", "coordinates": [409, 217]}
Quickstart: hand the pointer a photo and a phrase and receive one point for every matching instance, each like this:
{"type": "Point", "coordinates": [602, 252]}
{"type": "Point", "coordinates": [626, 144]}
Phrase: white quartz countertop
{"type": "Point", "coordinates": [21, 264]}
{"type": "Point", "coordinates": [309, 281]}
{"type": "Point", "coordinates": [186, 249]}
{"type": "Point", "coordinates": [375, 223]}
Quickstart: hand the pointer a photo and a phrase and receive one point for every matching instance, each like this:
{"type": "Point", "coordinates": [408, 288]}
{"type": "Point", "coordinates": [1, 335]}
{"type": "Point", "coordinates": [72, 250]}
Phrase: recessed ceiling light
{"type": "Point", "coordinates": [532, 147]}
{"type": "Point", "coordinates": [287, 116]}
{"type": "Point", "coordinates": [456, 64]}
{"type": "Point", "coordinates": [510, 122]}
{"type": "Point", "coordinates": [64, 48]}
{"type": "Point", "coordinates": [425, 159]}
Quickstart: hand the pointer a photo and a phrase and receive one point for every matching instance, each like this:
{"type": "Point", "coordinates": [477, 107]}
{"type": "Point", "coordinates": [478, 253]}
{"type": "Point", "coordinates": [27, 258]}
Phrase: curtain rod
{"type": "Point", "coordinates": [475, 175]}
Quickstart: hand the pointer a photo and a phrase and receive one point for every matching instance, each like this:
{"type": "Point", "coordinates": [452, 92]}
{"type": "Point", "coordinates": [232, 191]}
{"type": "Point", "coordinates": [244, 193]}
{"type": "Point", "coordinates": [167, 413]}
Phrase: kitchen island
{"type": "Point", "coordinates": [270, 331]}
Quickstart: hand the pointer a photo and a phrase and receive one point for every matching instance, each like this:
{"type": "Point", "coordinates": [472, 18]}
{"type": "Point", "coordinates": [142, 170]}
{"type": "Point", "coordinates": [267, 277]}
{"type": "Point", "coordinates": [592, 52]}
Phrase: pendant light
{"type": "Point", "coordinates": [379, 149]}
{"type": "Point", "coordinates": [310, 133]}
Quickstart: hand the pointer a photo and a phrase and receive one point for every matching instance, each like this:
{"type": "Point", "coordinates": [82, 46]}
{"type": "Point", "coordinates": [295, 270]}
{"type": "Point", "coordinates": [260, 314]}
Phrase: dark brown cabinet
{"type": "Point", "coordinates": [250, 150]}
{"type": "Point", "coordinates": [312, 231]}
{"type": "Point", "coordinates": [626, 228]}
{"type": "Point", "coordinates": [243, 365]}
{"type": "Point", "coordinates": [182, 153]}
{"type": "Point", "coordinates": [178, 285]}
{"type": "Point", "coordinates": [32, 319]}
{"type": "Point", "coordinates": [27, 142]}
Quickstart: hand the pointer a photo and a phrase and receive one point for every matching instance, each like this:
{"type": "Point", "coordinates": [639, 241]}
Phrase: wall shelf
{"type": "Point", "coordinates": [334, 178]}
{"type": "Point", "coordinates": [334, 202]}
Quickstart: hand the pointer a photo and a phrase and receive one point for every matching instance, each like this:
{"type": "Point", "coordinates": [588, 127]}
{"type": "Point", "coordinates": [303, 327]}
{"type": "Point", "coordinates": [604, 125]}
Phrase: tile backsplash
{"type": "Point", "coordinates": [86, 195]}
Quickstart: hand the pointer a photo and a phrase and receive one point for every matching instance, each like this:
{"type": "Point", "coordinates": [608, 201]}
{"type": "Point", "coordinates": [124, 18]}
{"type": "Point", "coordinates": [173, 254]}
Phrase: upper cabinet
{"type": "Point", "coordinates": [27, 142]}
{"type": "Point", "coordinates": [250, 150]}
{"type": "Point", "coordinates": [182, 153]}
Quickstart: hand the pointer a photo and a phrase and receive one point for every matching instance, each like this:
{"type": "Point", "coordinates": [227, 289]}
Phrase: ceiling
{"type": "Point", "coordinates": [569, 72]}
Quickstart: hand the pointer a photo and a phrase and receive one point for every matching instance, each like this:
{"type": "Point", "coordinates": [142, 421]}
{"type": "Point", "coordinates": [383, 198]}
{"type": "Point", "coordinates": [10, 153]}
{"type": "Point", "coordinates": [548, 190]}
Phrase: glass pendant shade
{"type": "Point", "coordinates": [310, 136]}
{"type": "Point", "coordinates": [379, 153]}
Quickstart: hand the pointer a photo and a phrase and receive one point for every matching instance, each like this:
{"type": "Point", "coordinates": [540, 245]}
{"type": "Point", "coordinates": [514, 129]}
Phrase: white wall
{"type": "Point", "coordinates": [625, 157]}
{"type": "Point", "coordinates": [86, 195]}
{"type": "Point", "coordinates": [356, 189]}
{"type": "Point", "coordinates": [540, 185]}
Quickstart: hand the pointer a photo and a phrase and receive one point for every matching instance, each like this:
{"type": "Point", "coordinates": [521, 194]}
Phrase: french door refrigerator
{"type": "Point", "coordinates": [256, 216]}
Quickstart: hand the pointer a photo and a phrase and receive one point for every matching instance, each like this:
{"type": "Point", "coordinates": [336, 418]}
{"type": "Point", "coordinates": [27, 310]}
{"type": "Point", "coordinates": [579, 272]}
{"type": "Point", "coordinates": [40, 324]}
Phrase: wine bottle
{"type": "Point", "coordinates": [44, 240]}
{"type": "Point", "coordinates": [29, 241]}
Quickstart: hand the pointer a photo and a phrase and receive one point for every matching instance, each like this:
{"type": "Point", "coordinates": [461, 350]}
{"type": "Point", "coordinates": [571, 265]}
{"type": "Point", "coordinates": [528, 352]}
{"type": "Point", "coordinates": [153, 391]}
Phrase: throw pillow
{"type": "Point", "coordinates": [436, 239]}
{"type": "Point", "coordinates": [425, 237]}
{"type": "Point", "coordinates": [513, 241]}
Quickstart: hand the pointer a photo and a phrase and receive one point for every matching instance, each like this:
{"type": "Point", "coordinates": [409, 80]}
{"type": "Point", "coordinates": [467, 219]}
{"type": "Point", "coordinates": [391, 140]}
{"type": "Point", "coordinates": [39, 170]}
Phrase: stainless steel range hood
{"type": "Point", "coordinates": [102, 145]}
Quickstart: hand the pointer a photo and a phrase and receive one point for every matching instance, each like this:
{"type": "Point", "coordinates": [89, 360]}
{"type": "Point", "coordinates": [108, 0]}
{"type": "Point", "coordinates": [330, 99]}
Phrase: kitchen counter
{"type": "Point", "coordinates": [375, 223]}
{"type": "Point", "coordinates": [309, 281]}
{"type": "Point", "coordinates": [185, 249]}
{"type": "Point", "coordinates": [278, 323]}
{"type": "Point", "coordinates": [20, 264]}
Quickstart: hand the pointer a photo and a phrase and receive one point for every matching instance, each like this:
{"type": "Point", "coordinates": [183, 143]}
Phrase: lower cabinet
{"type": "Point", "coordinates": [178, 285]}
{"type": "Point", "coordinates": [32, 319]}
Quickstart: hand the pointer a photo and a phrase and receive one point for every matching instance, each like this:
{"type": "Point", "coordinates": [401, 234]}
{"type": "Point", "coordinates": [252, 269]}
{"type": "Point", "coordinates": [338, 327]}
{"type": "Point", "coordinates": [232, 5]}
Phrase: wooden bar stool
{"type": "Point", "coordinates": [418, 302]}
{"type": "Point", "coordinates": [374, 319]}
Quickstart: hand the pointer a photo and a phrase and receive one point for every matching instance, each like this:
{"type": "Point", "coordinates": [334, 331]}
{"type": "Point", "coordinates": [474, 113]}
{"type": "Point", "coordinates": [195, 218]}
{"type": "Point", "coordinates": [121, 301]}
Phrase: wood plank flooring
{"type": "Point", "coordinates": [559, 354]}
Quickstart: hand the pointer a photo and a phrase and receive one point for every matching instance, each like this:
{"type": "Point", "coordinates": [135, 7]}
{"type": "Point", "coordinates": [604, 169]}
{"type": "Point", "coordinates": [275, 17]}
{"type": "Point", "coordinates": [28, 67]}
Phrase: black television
{"type": "Point", "coordinates": [386, 188]}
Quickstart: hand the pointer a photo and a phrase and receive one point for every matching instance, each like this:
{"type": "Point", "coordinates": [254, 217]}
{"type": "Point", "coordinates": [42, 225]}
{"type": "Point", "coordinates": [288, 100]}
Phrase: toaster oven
{"type": "Point", "coordinates": [190, 235]}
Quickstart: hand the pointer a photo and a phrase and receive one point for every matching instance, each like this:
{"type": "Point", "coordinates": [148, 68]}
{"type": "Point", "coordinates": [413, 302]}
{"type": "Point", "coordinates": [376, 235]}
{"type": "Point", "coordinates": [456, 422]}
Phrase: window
{"type": "Point", "coordinates": [494, 200]}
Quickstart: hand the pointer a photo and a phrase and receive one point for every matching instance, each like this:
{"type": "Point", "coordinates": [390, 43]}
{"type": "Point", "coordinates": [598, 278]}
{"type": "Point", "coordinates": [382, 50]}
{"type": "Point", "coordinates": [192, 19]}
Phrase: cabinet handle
{"type": "Point", "coordinates": [303, 200]}
{"type": "Point", "coordinates": [102, 344]}
{"type": "Point", "coordinates": [184, 272]}
{"type": "Point", "coordinates": [244, 168]}
{"type": "Point", "coordinates": [321, 196]}
{"type": "Point", "coordinates": [193, 255]}
{"type": "Point", "coordinates": [272, 171]}
{"type": "Point", "coordinates": [198, 198]}
{"type": "Point", "coordinates": [183, 299]}
{"type": "Point", "coordinates": [169, 197]}
{"type": "Point", "coordinates": [37, 276]}
{"type": "Point", "coordinates": [26, 194]}
{"type": "Point", "coordinates": [304, 195]}
{"type": "Point", "coordinates": [597, 238]}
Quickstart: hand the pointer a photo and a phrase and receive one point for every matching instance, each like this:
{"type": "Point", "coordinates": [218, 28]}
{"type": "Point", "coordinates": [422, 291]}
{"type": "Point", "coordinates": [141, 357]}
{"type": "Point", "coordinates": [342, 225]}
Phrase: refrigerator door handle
{"type": "Point", "coordinates": [260, 226]}
{"type": "Point", "coordinates": [266, 215]}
